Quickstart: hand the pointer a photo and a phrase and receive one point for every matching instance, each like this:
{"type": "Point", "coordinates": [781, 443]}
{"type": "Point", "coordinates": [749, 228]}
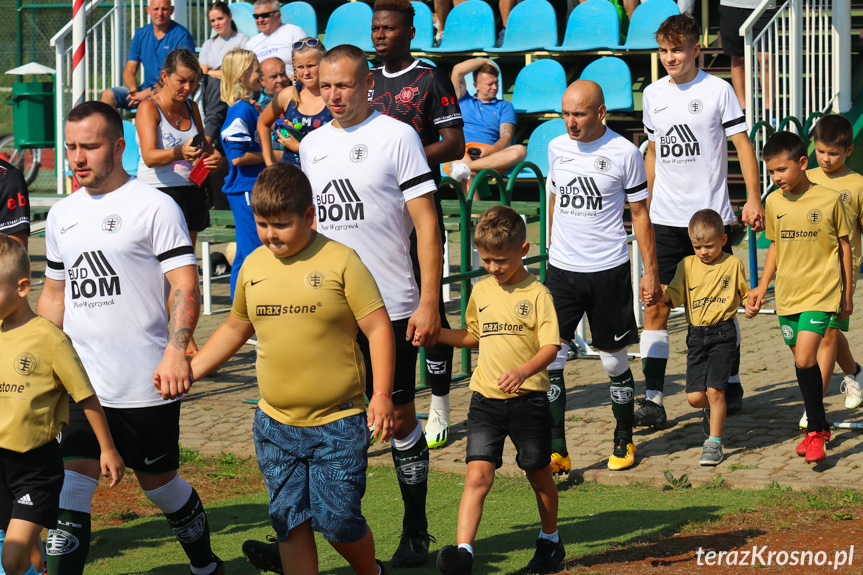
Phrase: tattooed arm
{"type": "Point", "coordinates": [172, 376]}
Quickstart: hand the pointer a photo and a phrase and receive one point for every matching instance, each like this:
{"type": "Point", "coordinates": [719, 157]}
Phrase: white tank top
{"type": "Point", "coordinates": [175, 174]}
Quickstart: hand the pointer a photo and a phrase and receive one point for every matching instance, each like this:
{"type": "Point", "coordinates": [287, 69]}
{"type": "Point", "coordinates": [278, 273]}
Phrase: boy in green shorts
{"type": "Point", "coordinates": [38, 368]}
{"type": "Point", "coordinates": [711, 284]}
{"type": "Point", "coordinates": [833, 144]}
{"type": "Point", "coordinates": [511, 319]}
{"type": "Point", "coordinates": [305, 296]}
{"type": "Point", "coordinates": [811, 257]}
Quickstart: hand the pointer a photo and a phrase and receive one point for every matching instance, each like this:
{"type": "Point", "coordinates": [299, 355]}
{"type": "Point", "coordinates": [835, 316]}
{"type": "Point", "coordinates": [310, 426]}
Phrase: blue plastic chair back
{"type": "Point", "coordinates": [592, 25]}
{"type": "Point", "coordinates": [532, 25]}
{"type": "Point", "coordinates": [613, 76]}
{"type": "Point", "coordinates": [539, 87]}
{"type": "Point", "coordinates": [537, 145]}
{"type": "Point", "coordinates": [427, 61]}
{"type": "Point", "coordinates": [350, 23]}
{"type": "Point", "coordinates": [301, 14]}
{"type": "Point", "coordinates": [424, 26]}
{"type": "Point", "coordinates": [132, 153]}
{"type": "Point", "coordinates": [645, 21]}
{"type": "Point", "coordinates": [243, 15]}
{"type": "Point", "coordinates": [469, 27]}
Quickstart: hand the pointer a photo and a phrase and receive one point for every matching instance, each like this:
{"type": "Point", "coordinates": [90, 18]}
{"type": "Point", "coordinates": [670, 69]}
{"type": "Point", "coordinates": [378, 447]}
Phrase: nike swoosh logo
{"type": "Point", "coordinates": [813, 322]}
{"type": "Point", "coordinates": [253, 282]}
{"type": "Point", "coordinates": [482, 308]}
{"type": "Point", "coordinates": [565, 160]}
{"type": "Point", "coordinates": [316, 160]}
{"type": "Point", "coordinates": [696, 287]}
{"type": "Point", "coordinates": [65, 229]}
{"type": "Point", "coordinates": [658, 110]}
{"type": "Point", "coordinates": [778, 217]}
{"type": "Point", "coordinates": [618, 338]}
{"type": "Point", "coordinates": [148, 461]}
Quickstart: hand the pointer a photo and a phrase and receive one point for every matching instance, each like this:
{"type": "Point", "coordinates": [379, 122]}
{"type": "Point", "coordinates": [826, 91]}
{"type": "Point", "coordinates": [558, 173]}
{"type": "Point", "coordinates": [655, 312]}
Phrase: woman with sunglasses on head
{"type": "Point", "coordinates": [301, 104]}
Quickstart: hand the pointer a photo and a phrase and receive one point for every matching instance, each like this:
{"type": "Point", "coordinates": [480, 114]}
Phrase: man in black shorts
{"type": "Point", "coordinates": [421, 96]}
{"type": "Point", "coordinates": [14, 204]}
{"type": "Point", "coordinates": [109, 262]}
{"type": "Point", "coordinates": [732, 15]}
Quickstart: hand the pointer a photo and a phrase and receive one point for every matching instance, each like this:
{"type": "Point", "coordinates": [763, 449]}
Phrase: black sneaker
{"type": "Point", "coordinates": [413, 549]}
{"type": "Point", "coordinates": [649, 414]}
{"type": "Point", "coordinates": [548, 557]}
{"type": "Point", "coordinates": [734, 397]}
{"type": "Point", "coordinates": [705, 421]}
{"type": "Point", "coordinates": [264, 556]}
{"type": "Point", "coordinates": [452, 560]}
{"type": "Point", "coordinates": [382, 567]}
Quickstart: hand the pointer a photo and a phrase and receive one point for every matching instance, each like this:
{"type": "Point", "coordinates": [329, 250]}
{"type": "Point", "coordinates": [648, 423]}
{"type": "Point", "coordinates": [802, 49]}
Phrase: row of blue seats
{"type": "Point", "coordinates": [532, 25]}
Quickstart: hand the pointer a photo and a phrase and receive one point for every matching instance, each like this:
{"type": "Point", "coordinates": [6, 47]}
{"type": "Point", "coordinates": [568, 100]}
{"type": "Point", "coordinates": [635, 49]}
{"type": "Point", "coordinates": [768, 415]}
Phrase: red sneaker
{"type": "Point", "coordinates": [803, 447]}
{"type": "Point", "coordinates": [816, 452]}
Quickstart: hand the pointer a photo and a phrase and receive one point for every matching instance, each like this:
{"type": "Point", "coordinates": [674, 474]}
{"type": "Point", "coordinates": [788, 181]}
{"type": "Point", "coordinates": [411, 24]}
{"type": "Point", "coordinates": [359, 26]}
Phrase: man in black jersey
{"type": "Point", "coordinates": [14, 204]}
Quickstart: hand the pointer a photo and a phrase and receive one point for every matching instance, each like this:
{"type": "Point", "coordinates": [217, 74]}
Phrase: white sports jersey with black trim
{"type": "Point", "coordinates": [590, 183]}
{"type": "Point", "coordinates": [362, 178]}
{"type": "Point", "coordinates": [689, 125]}
{"type": "Point", "coordinates": [113, 252]}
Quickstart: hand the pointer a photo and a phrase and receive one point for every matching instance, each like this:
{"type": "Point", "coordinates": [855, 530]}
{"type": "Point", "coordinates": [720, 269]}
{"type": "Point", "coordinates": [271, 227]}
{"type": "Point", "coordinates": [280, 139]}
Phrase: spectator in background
{"type": "Point", "coordinates": [276, 39]}
{"type": "Point", "coordinates": [274, 79]}
{"type": "Point", "coordinates": [14, 204]}
{"type": "Point", "coordinates": [150, 45]}
{"type": "Point", "coordinates": [489, 122]}
{"type": "Point", "coordinates": [732, 15]}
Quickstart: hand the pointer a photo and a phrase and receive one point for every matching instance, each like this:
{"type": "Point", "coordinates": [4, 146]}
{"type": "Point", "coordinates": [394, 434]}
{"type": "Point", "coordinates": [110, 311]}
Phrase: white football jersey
{"type": "Point", "coordinates": [689, 125]}
{"type": "Point", "coordinates": [279, 44]}
{"type": "Point", "coordinates": [361, 179]}
{"type": "Point", "coordinates": [113, 251]}
{"type": "Point", "coordinates": [590, 182]}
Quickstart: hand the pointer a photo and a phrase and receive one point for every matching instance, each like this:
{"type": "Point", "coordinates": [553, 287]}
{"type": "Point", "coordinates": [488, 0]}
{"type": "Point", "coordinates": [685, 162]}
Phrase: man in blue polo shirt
{"type": "Point", "coordinates": [150, 45]}
{"type": "Point", "coordinates": [489, 123]}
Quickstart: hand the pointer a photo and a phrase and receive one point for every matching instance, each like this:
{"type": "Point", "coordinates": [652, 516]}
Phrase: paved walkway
{"type": "Point", "coordinates": [759, 442]}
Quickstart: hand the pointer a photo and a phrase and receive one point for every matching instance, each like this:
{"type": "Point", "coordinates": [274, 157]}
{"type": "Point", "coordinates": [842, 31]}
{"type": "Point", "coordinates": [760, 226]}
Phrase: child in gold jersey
{"type": "Point", "coordinates": [711, 285]}
{"type": "Point", "coordinates": [811, 257]}
{"type": "Point", "coordinates": [38, 368]}
{"type": "Point", "coordinates": [511, 318]}
{"type": "Point", "coordinates": [306, 296]}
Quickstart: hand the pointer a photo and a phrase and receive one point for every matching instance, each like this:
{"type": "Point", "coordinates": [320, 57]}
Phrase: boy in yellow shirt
{"type": "Point", "coordinates": [305, 296]}
{"type": "Point", "coordinates": [811, 257]}
{"type": "Point", "coordinates": [711, 284]}
{"type": "Point", "coordinates": [833, 144]}
{"type": "Point", "coordinates": [38, 367]}
{"type": "Point", "coordinates": [511, 318]}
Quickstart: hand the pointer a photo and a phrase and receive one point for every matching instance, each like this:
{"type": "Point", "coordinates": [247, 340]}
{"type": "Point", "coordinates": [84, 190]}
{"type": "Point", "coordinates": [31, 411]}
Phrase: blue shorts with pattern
{"type": "Point", "coordinates": [316, 473]}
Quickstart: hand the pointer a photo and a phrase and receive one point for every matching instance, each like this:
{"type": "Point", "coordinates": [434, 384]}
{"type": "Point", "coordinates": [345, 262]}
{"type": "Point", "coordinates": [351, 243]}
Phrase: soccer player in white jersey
{"type": "Point", "coordinates": [372, 187]}
{"type": "Point", "coordinates": [593, 171]}
{"type": "Point", "coordinates": [688, 116]}
{"type": "Point", "coordinates": [113, 248]}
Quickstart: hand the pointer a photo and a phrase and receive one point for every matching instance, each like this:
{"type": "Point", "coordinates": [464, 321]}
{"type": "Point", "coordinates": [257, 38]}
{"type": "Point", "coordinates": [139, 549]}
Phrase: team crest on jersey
{"type": "Point", "coordinates": [814, 217]}
{"type": "Point", "coordinates": [359, 153]}
{"type": "Point", "coordinates": [725, 282]}
{"type": "Point", "coordinates": [25, 363]}
{"type": "Point", "coordinates": [112, 224]}
{"type": "Point", "coordinates": [845, 196]}
{"type": "Point", "coordinates": [695, 106]}
{"type": "Point", "coordinates": [523, 309]}
{"type": "Point", "coordinates": [315, 280]}
{"type": "Point", "coordinates": [601, 164]}
{"type": "Point", "coordinates": [407, 94]}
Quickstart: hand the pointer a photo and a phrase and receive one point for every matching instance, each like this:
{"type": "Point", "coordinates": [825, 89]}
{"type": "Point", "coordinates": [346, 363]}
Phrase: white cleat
{"type": "Point", "coordinates": [437, 428]}
{"type": "Point", "coordinates": [851, 388]}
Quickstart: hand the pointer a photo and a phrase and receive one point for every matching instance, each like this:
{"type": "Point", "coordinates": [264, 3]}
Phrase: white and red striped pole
{"type": "Point", "coordinates": [79, 50]}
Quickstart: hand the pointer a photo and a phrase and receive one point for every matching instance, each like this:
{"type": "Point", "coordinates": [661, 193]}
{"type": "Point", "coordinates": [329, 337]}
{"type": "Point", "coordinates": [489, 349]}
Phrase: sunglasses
{"type": "Point", "coordinates": [311, 43]}
{"type": "Point", "coordinates": [265, 14]}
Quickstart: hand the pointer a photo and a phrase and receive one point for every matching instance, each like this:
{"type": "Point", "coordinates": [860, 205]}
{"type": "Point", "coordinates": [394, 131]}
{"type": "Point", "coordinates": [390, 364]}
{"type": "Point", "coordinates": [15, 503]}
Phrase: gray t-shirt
{"type": "Point", "coordinates": [216, 47]}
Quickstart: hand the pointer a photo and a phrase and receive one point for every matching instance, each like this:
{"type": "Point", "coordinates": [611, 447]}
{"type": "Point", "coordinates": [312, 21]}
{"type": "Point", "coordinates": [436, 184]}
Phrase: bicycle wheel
{"type": "Point", "coordinates": [27, 160]}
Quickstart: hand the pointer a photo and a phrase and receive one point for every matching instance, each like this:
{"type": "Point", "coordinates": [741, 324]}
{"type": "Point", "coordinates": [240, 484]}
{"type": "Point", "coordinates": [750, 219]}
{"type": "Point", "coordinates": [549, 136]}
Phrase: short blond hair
{"type": "Point", "coordinates": [234, 67]}
{"type": "Point", "coordinates": [500, 227]}
{"type": "Point", "coordinates": [14, 262]}
{"type": "Point", "coordinates": [706, 224]}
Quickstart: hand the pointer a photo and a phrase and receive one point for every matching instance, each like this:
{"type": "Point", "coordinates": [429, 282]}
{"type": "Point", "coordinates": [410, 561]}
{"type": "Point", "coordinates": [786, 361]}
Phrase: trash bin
{"type": "Point", "coordinates": [33, 114]}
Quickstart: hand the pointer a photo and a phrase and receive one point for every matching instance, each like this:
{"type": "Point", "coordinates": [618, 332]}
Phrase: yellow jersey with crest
{"type": "Point", "coordinates": [711, 293]}
{"type": "Point", "coordinates": [511, 324]}
{"type": "Point", "coordinates": [39, 369]}
{"type": "Point", "coordinates": [305, 309]}
{"type": "Point", "coordinates": [806, 229]}
{"type": "Point", "coordinates": [850, 188]}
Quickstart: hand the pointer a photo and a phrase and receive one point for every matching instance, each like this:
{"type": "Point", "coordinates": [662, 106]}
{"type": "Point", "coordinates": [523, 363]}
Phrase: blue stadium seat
{"type": "Point", "coordinates": [132, 153]}
{"type": "Point", "coordinates": [424, 26]}
{"type": "Point", "coordinates": [592, 25]}
{"type": "Point", "coordinates": [427, 61]}
{"type": "Point", "coordinates": [615, 79]}
{"type": "Point", "coordinates": [243, 15]}
{"type": "Point", "coordinates": [469, 27]}
{"type": "Point", "coordinates": [532, 25]}
{"type": "Point", "coordinates": [301, 14]}
{"type": "Point", "coordinates": [350, 23]}
{"type": "Point", "coordinates": [537, 145]}
{"type": "Point", "coordinates": [645, 21]}
{"type": "Point", "coordinates": [539, 87]}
